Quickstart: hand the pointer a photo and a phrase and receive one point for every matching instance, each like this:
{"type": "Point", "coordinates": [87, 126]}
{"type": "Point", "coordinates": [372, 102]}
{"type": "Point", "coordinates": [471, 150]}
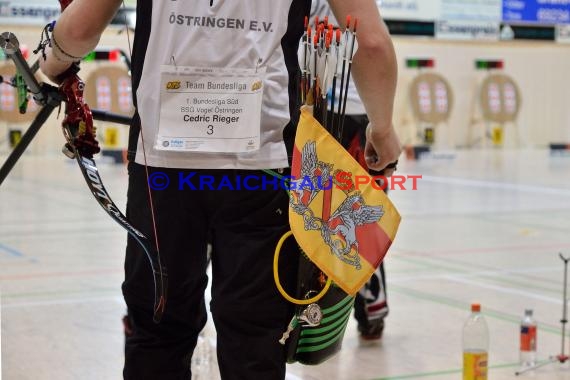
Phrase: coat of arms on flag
{"type": "Point", "coordinates": [344, 229]}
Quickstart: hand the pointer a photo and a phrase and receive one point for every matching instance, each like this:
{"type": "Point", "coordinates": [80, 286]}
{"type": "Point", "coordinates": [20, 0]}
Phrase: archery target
{"type": "Point", "coordinates": [510, 94]}
{"type": "Point", "coordinates": [9, 111]}
{"type": "Point", "coordinates": [103, 90]}
{"type": "Point", "coordinates": [431, 98]}
{"type": "Point", "coordinates": [500, 99]}
{"type": "Point", "coordinates": [125, 95]}
{"type": "Point", "coordinates": [441, 98]}
{"type": "Point", "coordinates": [8, 98]}
{"type": "Point", "coordinates": [109, 88]}
{"type": "Point", "coordinates": [494, 98]}
{"type": "Point", "coordinates": [424, 98]}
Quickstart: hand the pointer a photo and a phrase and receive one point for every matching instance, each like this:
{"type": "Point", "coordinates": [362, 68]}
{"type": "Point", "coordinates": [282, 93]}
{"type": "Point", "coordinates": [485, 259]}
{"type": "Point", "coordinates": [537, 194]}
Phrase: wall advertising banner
{"type": "Point", "coordinates": [419, 10]}
{"type": "Point", "coordinates": [546, 12]}
{"type": "Point", "coordinates": [24, 12]}
{"type": "Point", "coordinates": [473, 10]}
{"type": "Point", "coordinates": [469, 20]}
{"type": "Point", "coordinates": [563, 34]}
{"type": "Point", "coordinates": [467, 30]}
{"type": "Point", "coordinates": [38, 12]}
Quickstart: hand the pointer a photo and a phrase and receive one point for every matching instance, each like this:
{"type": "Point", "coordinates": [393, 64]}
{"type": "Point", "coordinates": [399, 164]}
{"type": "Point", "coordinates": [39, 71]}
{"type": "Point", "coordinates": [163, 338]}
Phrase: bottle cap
{"type": "Point", "coordinates": [528, 312]}
{"type": "Point", "coordinates": [475, 307]}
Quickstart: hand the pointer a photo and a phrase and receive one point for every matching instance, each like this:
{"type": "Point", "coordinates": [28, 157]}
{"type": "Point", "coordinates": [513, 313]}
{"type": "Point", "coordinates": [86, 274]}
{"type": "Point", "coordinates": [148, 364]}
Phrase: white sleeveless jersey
{"type": "Point", "coordinates": [240, 34]}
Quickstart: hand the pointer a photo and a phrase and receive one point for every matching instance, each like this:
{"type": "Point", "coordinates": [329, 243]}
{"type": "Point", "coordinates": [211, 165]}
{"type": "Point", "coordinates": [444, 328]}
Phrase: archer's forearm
{"type": "Point", "coordinates": [76, 33]}
{"type": "Point", "coordinates": [80, 26]}
{"type": "Point", "coordinates": [375, 73]}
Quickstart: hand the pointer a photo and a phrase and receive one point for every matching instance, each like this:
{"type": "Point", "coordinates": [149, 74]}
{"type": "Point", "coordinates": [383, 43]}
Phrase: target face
{"type": "Point", "coordinates": [109, 88]}
{"type": "Point", "coordinates": [431, 98]}
{"type": "Point", "coordinates": [500, 99]}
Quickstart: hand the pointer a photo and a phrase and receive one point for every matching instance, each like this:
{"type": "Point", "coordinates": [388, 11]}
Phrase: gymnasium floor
{"type": "Point", "coordinates": [485, 226]}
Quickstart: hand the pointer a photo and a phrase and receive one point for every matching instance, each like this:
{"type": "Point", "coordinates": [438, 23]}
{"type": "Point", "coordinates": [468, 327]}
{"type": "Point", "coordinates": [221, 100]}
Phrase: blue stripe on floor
{"type": "Point", "coordinates": [10, 251]}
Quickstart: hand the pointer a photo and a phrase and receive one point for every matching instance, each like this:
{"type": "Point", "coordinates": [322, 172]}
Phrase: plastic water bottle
{"type": "Point", "coordinates": [528, 340]}
{"type": "Point", "coordinates": [475, 345]}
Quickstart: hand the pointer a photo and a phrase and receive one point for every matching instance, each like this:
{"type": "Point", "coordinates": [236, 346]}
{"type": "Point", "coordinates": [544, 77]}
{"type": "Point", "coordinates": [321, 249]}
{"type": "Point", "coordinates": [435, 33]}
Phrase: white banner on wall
{"type": "Point", "coordinates": [563, 34]}
{"type": "Point", "coordinates": [25, 12]}
{"type": "Point", "coordinates": [467, 30]}
{"type": "Point", "coordinates": [474, 10]}
{"type": "Point", "coordinates": [422, 10]}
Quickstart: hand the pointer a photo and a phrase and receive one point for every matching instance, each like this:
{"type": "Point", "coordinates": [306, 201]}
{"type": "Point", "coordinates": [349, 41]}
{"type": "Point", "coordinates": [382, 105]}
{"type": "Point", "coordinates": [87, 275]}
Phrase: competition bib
{"type": "Point", "coordinates": [205, 109]}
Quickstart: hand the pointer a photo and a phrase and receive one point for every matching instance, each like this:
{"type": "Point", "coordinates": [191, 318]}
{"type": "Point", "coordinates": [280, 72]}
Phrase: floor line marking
{"type": "Point", "coordinates": [484, 249]}
{"type": "Point", "coordinates": [435, 276]}
{"type": "Point", "coordinates": [504, 289]}
{"type": "Point", "coordinates": [69, 301]}
{"type": "Point", "coordinates": [60, 293]}
{"type": "Point", "coordinates": [61, 274]}
{"type": "Point", "coordinates": [11, 251]}
{"type": "Point", "coordinates": [440, 264]}
{"type": "Point", "coordinates": [497, 185]}
{"type": "Point", "coordinates": [456, 304]}
{"type": "Point", "coordinates": [443, 372]}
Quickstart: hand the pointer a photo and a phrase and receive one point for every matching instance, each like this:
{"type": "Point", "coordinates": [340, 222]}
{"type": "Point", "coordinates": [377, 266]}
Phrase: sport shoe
{"type": "Point", "coordinates": [372, 331]}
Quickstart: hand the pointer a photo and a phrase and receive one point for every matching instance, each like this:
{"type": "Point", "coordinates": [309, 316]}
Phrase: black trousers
{"type": "Point", "coordinates": [370, 302]}
{"type": "Point", "coordinates": [375, 304]}
{"type": "Point", "coordinates": [249, 314]}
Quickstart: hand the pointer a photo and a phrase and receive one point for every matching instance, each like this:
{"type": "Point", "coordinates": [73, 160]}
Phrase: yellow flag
{"type": "Point", "coordinates": [342, 222]}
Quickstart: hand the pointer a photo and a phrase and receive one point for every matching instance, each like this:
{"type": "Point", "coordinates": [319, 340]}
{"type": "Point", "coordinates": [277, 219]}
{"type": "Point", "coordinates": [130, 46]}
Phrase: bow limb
{"type": "Point", "coordinates": [82, 145]}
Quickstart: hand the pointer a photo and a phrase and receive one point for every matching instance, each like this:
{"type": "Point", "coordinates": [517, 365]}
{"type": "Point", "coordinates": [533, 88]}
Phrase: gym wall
{"type": "Point", "coordinates": [539, 68]}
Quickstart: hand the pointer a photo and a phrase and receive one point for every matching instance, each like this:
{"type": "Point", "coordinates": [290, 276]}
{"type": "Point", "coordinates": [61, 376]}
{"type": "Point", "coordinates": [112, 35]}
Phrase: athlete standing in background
{"type": "Point", "coordinates": [371, 303]}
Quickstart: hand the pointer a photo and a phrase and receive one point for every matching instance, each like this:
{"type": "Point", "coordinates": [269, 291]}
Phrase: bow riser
{"type": "Point", "coordinates": [78, 117]}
